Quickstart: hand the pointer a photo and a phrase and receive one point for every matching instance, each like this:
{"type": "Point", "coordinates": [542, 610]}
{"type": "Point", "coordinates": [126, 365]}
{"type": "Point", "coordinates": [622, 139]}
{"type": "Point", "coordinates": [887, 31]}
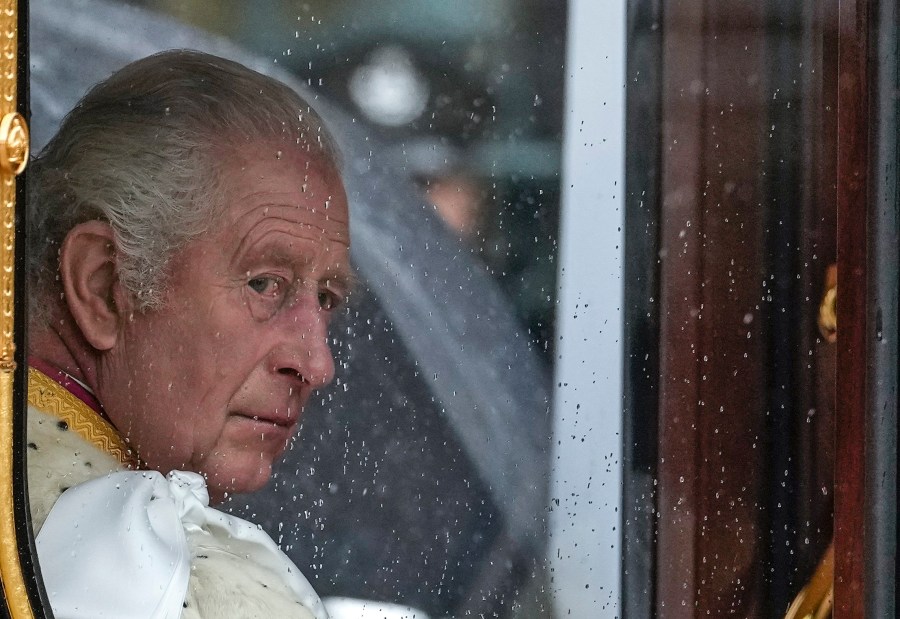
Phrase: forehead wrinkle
{"type": "Point", "coordinates": [290, 216]}
{"type": "Point", "coordinates": [280, 210]}
{"type": "Point", "coordinates": [280, 251]}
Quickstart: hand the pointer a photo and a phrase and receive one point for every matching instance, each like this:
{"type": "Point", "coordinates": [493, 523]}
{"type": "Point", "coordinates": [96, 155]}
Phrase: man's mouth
{"type": "Point", "coordinates": [283, 420]}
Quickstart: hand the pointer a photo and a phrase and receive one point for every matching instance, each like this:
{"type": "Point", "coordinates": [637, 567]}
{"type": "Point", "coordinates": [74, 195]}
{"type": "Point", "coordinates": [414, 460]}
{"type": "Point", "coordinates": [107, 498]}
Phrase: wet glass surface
{"type": "Point", "coordinates": [580, 375]}
{"type": "Point", "coordinates": [421, 476]}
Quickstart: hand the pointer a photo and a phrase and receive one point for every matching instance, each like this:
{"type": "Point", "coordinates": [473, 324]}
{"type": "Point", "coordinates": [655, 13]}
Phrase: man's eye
{"type": "Point", "coordinates": [268, 286]}
{"type": "Point", "coordinates": [328, 300]}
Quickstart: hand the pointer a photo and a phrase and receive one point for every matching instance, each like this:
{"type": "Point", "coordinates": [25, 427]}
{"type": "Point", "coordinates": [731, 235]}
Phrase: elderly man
{"type": "Point", "coordinates": [189, 243]}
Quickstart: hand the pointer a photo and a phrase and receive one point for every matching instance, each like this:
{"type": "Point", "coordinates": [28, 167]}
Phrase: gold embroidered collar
{"type": "Point", "coordinates": [49, 396]}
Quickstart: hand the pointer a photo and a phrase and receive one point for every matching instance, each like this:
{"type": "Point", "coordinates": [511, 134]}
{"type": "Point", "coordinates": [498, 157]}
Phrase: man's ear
{"type": "Point", "coordinates": [87, 268]}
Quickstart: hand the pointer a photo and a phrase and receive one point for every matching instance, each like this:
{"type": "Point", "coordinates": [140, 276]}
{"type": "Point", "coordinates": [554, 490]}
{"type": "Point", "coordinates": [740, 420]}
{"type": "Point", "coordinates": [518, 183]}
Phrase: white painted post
{"type": "Point", "coordinates": [586, 479]}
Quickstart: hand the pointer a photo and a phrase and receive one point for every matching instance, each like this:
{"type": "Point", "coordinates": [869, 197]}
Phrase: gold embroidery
{"type": "Point", "coordinates": [49, 396]}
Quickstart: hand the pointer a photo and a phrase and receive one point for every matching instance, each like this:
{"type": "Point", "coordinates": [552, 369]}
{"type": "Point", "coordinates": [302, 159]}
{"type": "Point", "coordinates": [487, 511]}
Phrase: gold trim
{"type": "Point", "coordinates": [49, 396]}
{"type": "Point", "coordinates": [816, 599]}
{"type": "Point", "coordinates": [17, 600]}
{"type": "Point", "coordinates": [15, 144]}
{"type": "Point", "coordinates": [7, 261]}
{"type": "Point", "coordinates": [828, 307]}
{"type": "Point", "coordinates": [13, 582]}
{"type": "Point", "coordinates": [828, 315]}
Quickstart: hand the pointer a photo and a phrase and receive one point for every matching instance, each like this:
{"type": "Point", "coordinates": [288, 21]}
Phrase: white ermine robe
{"type": "Point", "coordinates": [115, 541]}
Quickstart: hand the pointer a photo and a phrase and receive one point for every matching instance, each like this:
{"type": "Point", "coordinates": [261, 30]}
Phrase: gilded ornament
{"type": "Point", "coordinates": [14, 143]}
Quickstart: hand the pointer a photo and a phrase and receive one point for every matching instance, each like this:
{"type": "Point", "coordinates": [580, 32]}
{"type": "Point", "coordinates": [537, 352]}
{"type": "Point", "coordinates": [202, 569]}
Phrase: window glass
{"type": "Point", "coordinates": [421, 476]}
{"type": "Point", "coordinates": [589, 362]}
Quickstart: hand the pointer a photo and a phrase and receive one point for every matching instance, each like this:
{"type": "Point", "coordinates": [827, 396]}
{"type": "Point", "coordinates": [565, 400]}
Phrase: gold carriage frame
{"type": "Point", "coordinates": [21, 585]}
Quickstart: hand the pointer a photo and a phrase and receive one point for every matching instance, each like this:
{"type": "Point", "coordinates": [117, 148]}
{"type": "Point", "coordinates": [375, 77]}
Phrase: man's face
{"type": "Point", "coordinates": [215, 380]}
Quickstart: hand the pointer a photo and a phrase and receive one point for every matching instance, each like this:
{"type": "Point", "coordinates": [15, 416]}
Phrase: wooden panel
{"type": "Point", "coordinates": [712, 524]}
{"type": "Point", "coordinates": [733, 341]}
{"type": "Point", "coordinates": [712, 388]}
{"type": "Point", "coordinates": [852, 200]}
{"type": "Point", "coordinates": [814, 424]}
{"type": "Point", "coordinates": [680, 300]}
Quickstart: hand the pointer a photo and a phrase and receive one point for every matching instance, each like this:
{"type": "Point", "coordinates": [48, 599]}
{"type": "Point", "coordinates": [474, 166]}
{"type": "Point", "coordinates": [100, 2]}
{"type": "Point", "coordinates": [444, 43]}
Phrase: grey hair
{"type": "Point", "coordinates": [142, 151]}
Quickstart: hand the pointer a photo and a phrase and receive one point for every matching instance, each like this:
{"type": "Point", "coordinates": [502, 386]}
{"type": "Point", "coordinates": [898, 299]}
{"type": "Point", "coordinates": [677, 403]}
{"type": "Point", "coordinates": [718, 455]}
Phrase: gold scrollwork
{"type": "Point", "coordinates": [14, 143]}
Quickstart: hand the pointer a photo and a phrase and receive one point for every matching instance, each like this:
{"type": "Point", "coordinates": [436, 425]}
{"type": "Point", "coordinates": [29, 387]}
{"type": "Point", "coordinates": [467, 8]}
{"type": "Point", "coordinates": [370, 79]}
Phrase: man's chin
{"type": "Point", "coordinates": [222, 484]}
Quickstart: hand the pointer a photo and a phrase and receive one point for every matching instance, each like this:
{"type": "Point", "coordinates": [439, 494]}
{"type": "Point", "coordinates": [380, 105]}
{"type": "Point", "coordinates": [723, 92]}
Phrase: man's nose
{"type": "Point", "coordinates": [304, 352]}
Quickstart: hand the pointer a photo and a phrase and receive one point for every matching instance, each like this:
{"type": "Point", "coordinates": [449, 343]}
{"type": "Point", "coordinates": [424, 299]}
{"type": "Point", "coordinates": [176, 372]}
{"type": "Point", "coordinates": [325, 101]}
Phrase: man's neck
{"type": "Point", "coordinates": [61, 347]}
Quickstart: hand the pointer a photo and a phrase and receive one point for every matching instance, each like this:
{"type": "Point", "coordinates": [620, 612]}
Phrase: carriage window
{"type": "Point", "coordinates": [421, 477]}
{"type": "Point", "coordinates": [580, 350]}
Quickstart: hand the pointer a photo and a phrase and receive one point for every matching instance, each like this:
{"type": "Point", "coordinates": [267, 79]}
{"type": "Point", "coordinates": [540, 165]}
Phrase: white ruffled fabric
{"type": "Point", "coordinates": [117, 546]}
